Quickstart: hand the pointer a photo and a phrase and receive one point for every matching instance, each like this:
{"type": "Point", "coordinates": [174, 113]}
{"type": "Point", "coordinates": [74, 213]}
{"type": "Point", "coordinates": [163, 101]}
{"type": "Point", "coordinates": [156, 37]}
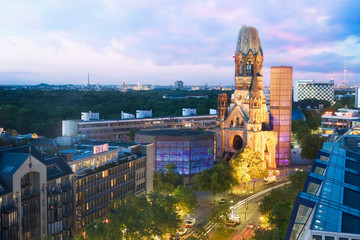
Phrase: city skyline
{"type": "Point", "coordinates": [159, 42]}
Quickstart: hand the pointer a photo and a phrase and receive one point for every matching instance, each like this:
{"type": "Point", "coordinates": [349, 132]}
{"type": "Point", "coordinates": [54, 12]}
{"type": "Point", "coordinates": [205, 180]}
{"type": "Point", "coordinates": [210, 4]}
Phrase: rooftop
{"type": "Point", "coordinates": [175, 133]}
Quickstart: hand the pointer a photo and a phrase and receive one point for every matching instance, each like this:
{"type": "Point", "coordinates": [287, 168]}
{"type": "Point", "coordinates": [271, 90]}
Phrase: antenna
{"type": "Point", "coordinates": [345, 73]}
{"type": "Point", "coordinates": [281, 58]}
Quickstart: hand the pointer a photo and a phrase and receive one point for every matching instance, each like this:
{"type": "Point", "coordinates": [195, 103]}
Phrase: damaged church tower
{"type": "Point", "coordinates": [246, 121]}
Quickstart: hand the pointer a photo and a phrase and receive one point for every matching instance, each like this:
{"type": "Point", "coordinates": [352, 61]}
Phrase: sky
{"type": "Point", "coordinates": [160, 41]}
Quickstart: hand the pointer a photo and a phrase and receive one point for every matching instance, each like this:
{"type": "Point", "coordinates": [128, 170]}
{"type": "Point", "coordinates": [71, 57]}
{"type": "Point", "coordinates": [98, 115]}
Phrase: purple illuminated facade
{"type": "Point", "coordinates": [191, 151]}
{"type": "Point", "coordinates": [280, 109]}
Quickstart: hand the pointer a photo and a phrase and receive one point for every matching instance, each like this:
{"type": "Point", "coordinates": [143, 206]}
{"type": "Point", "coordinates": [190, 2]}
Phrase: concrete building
{"type": "Point", "coordinates": [179, 85]}
{"type": "Point", "coordinates": [189, 111]}
{"type": "Point", "coordinates": [119, 130]}
{"type": "Point", "coordinates": [86, 116]}
{"type": "Point", "coordinates": [125, 115]}
{"type": "Point", "coordinates": [191, 151]}
{"type": "Point", "coordinates": [345, 118]}
{"type": "Point", "coordinates": [247, 122]}
{"type": "Point", "coordinates": [308, 89]}
{"type": "Point", "coordinates": [280, 109]}
{"type": "Point", "coordinates": [36, 195]}
{"type": "Point", "coordinates": [143, 113]}
{"type": "Point", "coordinates": [106, 172]}
{"type": "Point", "coordinates": [329, 206]}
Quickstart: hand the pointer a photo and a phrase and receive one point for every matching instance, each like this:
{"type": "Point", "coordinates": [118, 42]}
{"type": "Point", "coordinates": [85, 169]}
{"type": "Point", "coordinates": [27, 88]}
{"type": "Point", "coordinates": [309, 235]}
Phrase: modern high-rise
{"type": "Point", "coordinates": [179, 85]}
{"type": "Point", "coordinates": [280, 109]}
{"type": "Point", "coordinates": [328, 208]}
{"type": "Point", "coordinates": [357, 97]}
{"type": "Point", "coordinates": [308, 89]}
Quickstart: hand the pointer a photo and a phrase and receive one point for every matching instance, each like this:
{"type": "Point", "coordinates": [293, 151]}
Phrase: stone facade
{"type": "Point", "coordinates": [246, 121]}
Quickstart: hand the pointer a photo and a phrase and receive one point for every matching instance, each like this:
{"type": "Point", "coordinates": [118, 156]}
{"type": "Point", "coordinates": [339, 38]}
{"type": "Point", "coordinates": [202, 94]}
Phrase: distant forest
{"type": "Point", "coordinates": [41, 112]}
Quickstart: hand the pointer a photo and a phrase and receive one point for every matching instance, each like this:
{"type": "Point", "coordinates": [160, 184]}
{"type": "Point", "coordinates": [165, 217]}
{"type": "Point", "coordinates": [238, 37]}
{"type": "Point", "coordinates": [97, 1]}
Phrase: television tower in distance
{"type": "Point", "coordinates": [123, 84]}
{"type": "Point", "coordinates": [345, 74]}
{"type": "Point", "coordinates": [88, 80]}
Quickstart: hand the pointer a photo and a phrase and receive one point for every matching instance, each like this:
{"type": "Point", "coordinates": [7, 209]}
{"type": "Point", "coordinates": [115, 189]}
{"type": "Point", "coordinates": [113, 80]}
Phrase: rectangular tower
{"type": "Point", "coordinates": [280, 109]}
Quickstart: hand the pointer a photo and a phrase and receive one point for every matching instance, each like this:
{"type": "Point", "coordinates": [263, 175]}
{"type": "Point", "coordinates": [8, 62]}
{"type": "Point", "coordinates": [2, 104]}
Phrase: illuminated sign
{"type": "Point", "coordinates": [348, 114]}
{"type": "Point", "coordinates": [101, 148]}
{"type": "Point", "coordinates": [328, 114]}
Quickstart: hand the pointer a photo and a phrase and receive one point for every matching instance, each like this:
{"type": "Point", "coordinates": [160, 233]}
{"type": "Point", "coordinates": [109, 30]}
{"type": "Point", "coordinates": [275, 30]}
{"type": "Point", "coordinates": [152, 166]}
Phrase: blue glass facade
{"type": "Point", "coordinates": [329, 205]}
{"type": "Point", "coordinates": [191, 151]}
{"type": "Point", "coordinates": [190, 157]}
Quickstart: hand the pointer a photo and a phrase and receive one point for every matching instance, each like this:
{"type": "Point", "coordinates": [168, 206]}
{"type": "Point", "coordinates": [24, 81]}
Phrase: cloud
{"type": "Point", "coordinates": [60, 41]}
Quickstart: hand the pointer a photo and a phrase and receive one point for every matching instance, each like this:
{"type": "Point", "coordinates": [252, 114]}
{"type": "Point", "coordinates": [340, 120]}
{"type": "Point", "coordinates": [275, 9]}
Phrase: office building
{"type": "Point", "coordinates": [106, 172]}
{"type": "Point", "coordinates": [246, 122]}
{"type": "Point", "coordinates": [36, 195]}
{"type": "Point", "coordinates": [308, 89]}
{"type": "Point", "coordinates": [329, 206]}
{"type": "Point", "coordinates": [191, 151]}
{"type": "Point", "coordinates": [357, 97]}
{"type": "Point", "coordinates": [280, 110]}
{"type": "Point", "coordinates": [119, 130]}
{"type": "Point", "coordinates": [179, 85]}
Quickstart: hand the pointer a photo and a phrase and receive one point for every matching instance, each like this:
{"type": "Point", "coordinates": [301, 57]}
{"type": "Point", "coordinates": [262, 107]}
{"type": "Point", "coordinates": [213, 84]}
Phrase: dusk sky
{"type": "Point", "coordinates": [161, 41]}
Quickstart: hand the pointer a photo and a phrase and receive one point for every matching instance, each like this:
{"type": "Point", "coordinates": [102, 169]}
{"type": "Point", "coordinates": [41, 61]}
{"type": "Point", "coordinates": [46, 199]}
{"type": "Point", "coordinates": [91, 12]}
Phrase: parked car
{"type": "Point", "coordinates": [190, 223]}
{"type": "Point", "coordinates": [181, 231]}
{"type": "Point", "coordinates": [222, 201]}
{"type": "Point", "coordinates": [231, 223]}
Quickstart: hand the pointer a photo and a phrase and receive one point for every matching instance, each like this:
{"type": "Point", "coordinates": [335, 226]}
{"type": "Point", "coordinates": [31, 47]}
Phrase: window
{"type": "Point", "coordinates": [317, 237]}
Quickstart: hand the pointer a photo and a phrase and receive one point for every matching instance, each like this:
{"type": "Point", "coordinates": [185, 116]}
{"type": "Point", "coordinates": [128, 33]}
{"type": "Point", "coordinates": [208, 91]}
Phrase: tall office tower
{"type": "Point", "coordinates": [179, 85]}
{"type": "Point", "coordinates": [357, 97]}
{"type": "Point", "coordinates": [280, 109]}
{"type": "Point", "coordinates": [123, 84]}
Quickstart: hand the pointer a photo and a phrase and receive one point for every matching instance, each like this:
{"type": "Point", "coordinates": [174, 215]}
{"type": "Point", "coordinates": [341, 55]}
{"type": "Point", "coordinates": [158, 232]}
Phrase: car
{"type": "Point", "coordinates": [222, 201]}
{"type": "Point", "coordinates": [231, 223]}
{"type": "Point", "coordinates": [278, 179]}
{"type": "Point", "coordinates": [181, 231]}
{"type": "Point", "coordinates": [190, 223]}
{"type": "Point", "coordinates": [250, 225]}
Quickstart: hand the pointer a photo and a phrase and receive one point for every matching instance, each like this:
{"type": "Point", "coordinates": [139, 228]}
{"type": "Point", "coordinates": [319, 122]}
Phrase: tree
{"type": "Point", "coordinates": [219, 179]}
{"type": "Point", "coordinates": [186, 201]}
{"type": "Point", "coordinates": [248, 165]}
{"type": "Point", "coordinates": [280, 215]}
{"type": "Point", "coordinates": [140, 217]}
{"type": "Point", "coordinates": [167, 180]}
{"type": "Point", "coordinates": [262, 234]}
{"type": "Point", "coordinates": [219, 216]}
{"type": "Point", "coordinates": [298, 180]}
{"type": "Point", "coordinates": [310, 146]}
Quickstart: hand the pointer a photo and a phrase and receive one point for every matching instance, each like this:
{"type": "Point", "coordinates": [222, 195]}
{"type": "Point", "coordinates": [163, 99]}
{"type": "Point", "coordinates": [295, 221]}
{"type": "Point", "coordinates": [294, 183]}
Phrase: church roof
{"type": "Point", "coordinates": [248, 40]}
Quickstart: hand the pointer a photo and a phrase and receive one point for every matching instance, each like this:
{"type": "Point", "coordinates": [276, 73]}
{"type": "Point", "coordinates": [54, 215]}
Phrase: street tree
{"type": "Point", "coordinates": [279, 216]}
{"type": "Point", "coordinates": [186, 201]}
{"type": "Point", "coordinates": [310, 146]}
{"type": "Point", "coordinates": [248, 165]}
{"type": "Point", "coordinates": [219, 179]}
{"type": "Point", "coordinates": [263, 234]}
{"type": "Point", "coordinates": [168, 179]}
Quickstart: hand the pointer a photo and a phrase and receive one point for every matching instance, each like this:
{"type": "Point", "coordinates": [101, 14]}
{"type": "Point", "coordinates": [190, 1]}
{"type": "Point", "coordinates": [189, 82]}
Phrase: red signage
{"type": "Point", "coordinates": [101, 148]}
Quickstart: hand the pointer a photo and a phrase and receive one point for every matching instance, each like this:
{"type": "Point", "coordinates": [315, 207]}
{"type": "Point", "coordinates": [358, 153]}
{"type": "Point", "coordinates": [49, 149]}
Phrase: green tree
{"type": "Point", "coordinates": [280, 215]}
{"type": "Point", "coordinates": [167, 180]}
{"type": "Point", "coordinates": [262, 234]}
{"type": "Point", "coordinates": [219, 216]}
{"type": "Point", "coordinates": [186, 201]}
{"type": "Point", "coordinates": [219, 179]}
{"type": "Point", "coordinates": [298, 180]}
{"type": "Point", "coordinates": [310, 146]}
